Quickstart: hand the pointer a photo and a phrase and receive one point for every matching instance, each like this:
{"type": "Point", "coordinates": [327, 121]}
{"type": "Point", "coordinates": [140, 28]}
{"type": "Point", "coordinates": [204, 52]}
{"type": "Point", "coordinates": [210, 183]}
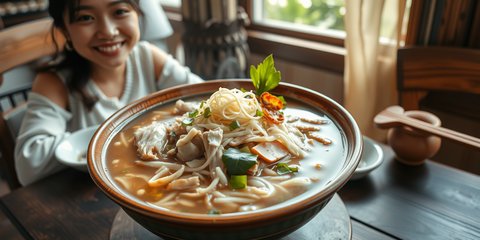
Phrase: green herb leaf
{"type": "Point", "coordinates": [258, 113]}
{"type": "Point", "coordinates": [238, 162]}
{"type": "Point", "coordinates": [234, 125]}
{"type": "Point", "coordinates": [283, 168]}
{"type": "Point", "coordinates": [265, 77]}
{"type": "Point", "coordinates": [238, 181]}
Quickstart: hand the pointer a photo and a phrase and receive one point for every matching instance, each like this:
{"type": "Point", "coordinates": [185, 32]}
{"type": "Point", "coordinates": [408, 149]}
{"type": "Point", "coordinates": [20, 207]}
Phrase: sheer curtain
{"type": "Point", "coordinates": [370, 64]}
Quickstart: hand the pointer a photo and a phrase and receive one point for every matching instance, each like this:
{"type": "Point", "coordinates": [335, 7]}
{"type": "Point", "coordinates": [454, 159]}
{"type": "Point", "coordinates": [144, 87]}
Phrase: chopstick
{"type": "Point", "coordinates": [393, 117]}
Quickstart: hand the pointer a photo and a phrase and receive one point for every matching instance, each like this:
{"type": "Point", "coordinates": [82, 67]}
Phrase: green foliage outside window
{"type": "Point", "coordinates": [326, 14]}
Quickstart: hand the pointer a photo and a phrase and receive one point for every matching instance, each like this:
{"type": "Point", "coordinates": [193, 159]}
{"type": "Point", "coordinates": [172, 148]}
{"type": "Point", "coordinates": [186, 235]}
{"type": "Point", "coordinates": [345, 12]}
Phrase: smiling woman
{"type": "Point", "coordinates": [102, 68]}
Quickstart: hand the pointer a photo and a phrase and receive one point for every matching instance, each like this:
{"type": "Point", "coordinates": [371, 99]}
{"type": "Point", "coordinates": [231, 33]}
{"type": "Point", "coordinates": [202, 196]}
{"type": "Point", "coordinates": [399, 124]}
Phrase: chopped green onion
{"type": "Point", "coordinates": [187, 121]}
{"type": "Point", "coordinates": [193, 114]}
{"type": "Point", "coordinates": [207, 112]}
{"type": "Point", "coordinates": [214, 212]}
{"type": "Point", "coordinates": [238, 181]}
{"type": "Point", "coordinates": [245, 149]}
{"type": "Point", "coordinates": [283, 168]}
{"type": "Point", "coordinates": [259, 113]}
{"type": "Point", "coordinates": [234, 125]}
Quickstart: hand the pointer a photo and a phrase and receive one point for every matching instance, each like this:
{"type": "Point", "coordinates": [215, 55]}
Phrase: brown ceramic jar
{"type": "Point", "coordinates": [412, 147]}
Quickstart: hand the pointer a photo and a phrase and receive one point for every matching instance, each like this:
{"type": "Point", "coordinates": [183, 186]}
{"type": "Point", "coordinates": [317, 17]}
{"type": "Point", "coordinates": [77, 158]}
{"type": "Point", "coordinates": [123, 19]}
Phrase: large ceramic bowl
{"type": "Point", "coordinates": [271, 222]}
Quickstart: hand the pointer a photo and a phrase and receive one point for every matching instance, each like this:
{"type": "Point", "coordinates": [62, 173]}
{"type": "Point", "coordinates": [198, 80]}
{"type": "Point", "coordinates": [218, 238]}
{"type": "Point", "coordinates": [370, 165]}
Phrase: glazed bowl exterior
{"type": "Point", "coordinates": [271, 222]}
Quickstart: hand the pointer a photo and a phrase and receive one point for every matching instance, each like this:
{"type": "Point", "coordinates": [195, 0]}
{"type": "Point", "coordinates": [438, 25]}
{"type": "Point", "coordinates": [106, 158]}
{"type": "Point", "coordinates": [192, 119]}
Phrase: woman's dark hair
{"type": "Point", "coordinates": [79, 67]}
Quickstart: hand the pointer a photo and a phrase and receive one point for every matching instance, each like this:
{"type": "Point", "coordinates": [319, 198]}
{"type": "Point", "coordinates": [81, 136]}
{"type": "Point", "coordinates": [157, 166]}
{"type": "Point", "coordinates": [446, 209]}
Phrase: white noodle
{"type": "Point", "coordinates": [262, 183]}
{"type": "Point", "coordinates": [143, 177]}
{"type": "Point", "coordinates": [208, 201]}
{"type": "Point", "coordinates": [241, 194]}
{"type": "Point", "coordinates": [202, 178]}
{"type": "Point", "coordinates": [234, 199]}
{"type": "Point", "coordinates": [165, 180]}
{"type": "Point", "coordinates": [248, 208]}
{"type": "Point", "coordinates": [159, 173]}
{"type": "Point", "coordinates": [168, 204]}
{"type": "Point", "coordinates": [277, 178]}
{"type": "Point", "coordinates": [167, 198]}
{"type": "Point", "coordinates": [218, 194]}
{"type": "Point", "coordinates": [281, 188]}
{"type": "Point", "coordinates": [210, 188]}
{"type": "Point", "coordinates": [123, 139]}
{"type": "Point", "coordinates": [269, 172]}
{"type": "Point", "coordinates": [202, 191]}
{"type": "Point", "coordinates": [186, 203]}
{"type": "Point", "coordinates": [296, 182]}
{"type": "Point", "coordinates": [221, 175]}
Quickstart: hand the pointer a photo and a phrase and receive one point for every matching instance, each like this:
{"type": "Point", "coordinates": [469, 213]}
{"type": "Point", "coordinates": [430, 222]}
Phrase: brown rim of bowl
{"type": "Point", "coordinates": [313, 99]}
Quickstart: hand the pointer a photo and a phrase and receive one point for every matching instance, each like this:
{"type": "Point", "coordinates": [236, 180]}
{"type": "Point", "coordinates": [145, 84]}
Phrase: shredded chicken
{"type": "Point", "coordinates": [182, 107]}
{"type": "Point", "coordinates": [151, 140]}
{"type": "Point", "coordinates": [190, 146]}
{"type": "Point", "coordinates": [213, 148]}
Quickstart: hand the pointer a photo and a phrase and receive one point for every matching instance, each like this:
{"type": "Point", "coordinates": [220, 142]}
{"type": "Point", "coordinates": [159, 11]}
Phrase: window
{"type": "Point", "coordinates": [319, 17]}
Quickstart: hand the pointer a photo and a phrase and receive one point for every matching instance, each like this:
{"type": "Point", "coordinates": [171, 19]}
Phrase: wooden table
{"type": "Point", "coordinates": [395, 201]}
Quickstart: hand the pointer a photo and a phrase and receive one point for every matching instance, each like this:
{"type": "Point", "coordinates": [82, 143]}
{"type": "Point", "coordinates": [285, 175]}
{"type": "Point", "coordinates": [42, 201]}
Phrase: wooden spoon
{"type": "Point", "coordinates": [393, 117]}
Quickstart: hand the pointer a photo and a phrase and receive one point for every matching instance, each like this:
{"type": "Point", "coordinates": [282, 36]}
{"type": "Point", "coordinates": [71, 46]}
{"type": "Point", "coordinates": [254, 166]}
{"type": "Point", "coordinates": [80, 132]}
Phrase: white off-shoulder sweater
{"type": "Point", "coordinates": [46, 124]}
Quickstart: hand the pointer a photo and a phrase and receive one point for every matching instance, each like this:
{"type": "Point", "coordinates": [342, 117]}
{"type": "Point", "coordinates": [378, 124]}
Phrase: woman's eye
{"type": "Point", "coordinates": [84, 18]}
{"type": "Point", "coordinates": [121, 12]}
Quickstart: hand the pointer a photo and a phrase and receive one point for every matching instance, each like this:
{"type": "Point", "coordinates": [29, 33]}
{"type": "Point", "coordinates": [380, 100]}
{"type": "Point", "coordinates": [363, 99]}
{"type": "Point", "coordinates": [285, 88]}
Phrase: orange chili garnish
{"type": "Point", "coordinates": [271, 108]}
{"type": "Point", "coordinates": [271, 102]}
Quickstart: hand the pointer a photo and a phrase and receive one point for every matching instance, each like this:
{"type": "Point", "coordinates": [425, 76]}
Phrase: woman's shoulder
{"type": "Point", "coordinates": [142, 47]}
{"type": "Point", "coordinates": [51, 85]}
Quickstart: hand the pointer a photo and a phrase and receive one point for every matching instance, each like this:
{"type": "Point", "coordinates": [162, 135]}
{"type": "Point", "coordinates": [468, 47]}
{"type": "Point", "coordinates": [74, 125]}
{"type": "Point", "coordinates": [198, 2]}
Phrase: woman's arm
{"type": "Point", "coordinates": [43, 128]}
{"type": "Point", "coordinates": [52, 87]}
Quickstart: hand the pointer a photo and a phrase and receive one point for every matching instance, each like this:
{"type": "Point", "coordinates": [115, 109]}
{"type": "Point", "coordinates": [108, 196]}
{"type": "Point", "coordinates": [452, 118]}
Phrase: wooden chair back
{"type": "Point", "coordinates": [421, 70]}
{"type": "Point", "coordinates": [19, 45]}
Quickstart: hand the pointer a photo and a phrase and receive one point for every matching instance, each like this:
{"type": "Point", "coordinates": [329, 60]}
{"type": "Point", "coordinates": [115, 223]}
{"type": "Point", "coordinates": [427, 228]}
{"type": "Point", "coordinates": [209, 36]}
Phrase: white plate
{"type": "Point", "coordinates": [72, 150]}
{"type": "Point", "coordinates": [372, 157]}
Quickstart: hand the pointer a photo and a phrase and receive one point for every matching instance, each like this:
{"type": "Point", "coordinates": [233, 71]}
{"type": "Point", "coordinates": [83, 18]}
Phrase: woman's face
{"type": "Point", "coordinates": [103, 31]}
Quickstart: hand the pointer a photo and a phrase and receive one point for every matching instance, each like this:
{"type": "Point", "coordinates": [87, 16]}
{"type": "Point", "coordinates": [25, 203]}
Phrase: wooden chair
{"type": "Point", "coordinates": [446, 82]}
{"type": "Point", "coordinates": [19, 45]}
{"type": "Point", "coordinates": [421, 70]}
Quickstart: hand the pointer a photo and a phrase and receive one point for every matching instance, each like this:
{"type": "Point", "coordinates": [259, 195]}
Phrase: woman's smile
{"type": "Point", "coordinates": [110, 49]}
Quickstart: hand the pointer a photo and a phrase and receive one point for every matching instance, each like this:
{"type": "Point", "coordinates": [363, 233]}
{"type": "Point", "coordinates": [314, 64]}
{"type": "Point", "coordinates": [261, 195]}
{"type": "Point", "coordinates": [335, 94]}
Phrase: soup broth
{"type": "Point", "coordinates": [267, 186]}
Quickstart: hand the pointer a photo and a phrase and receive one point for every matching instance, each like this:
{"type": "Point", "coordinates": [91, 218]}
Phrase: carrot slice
{"type": "Point", "coordinates": [270, 152]}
